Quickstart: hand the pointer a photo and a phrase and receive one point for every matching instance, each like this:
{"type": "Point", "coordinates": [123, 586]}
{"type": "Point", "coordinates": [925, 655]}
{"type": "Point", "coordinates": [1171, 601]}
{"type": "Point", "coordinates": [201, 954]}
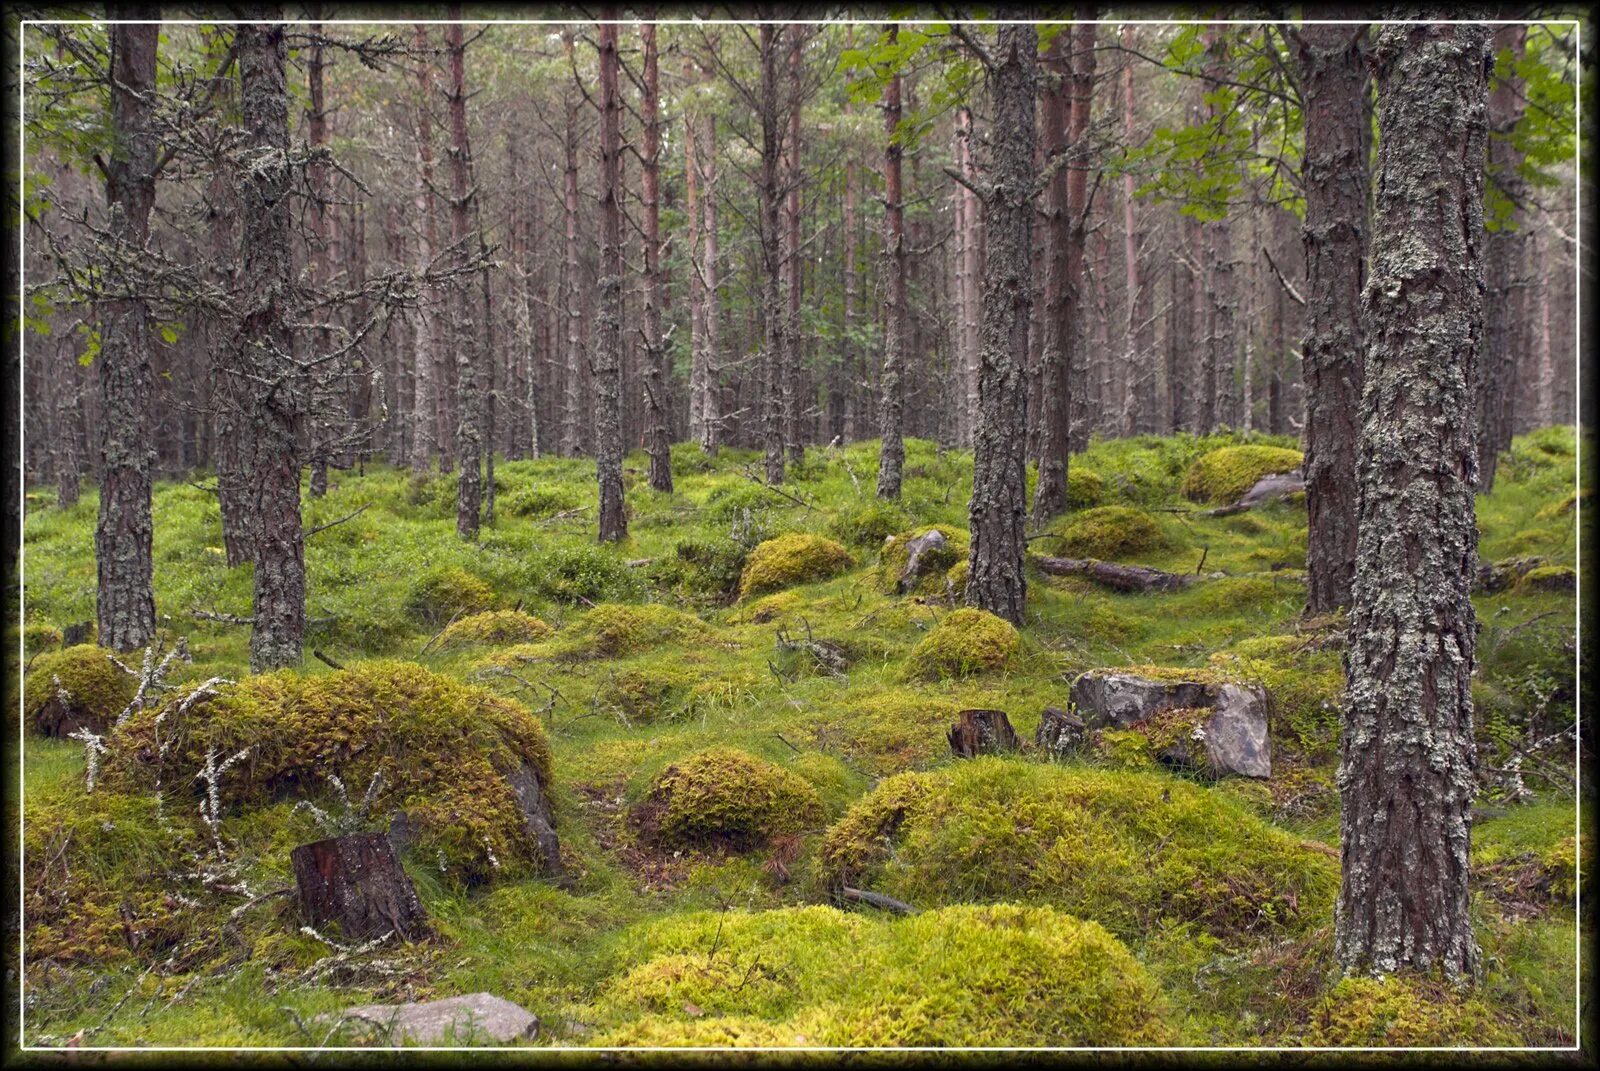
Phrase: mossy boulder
{"type": "Point", "coordinates": [1111, 533]}
{"type": "Point", "coordinates": [1130, 850]}
{"type": "Point", "coordinates": [965, 642]}
{"type": "Point", "coordinates": [725, 797]}
{"type": "Point", "coordinates": [78, 688]}
{"type": "Point", "coordinates": [494, 627]}
{"type": "Point", "coordinates": [956, 577]}
{"type": "Point", "coordinates": [959, 976]}
{"type": "Point", "coordinates": [791, 559]}
{"type": "Point", "coordinates": [935, 555]}
{"type": "Point", "coordinates": [1403, 1013]}
{"type": "Point", "coordinates": [613, 629]}
{"type": "Point", "coordinates": [448, 593]}
{"type": "Point", "coordinates": [1223, 476]}
{"type": "Point", "coordinates": [465, 771]}
{"type": "Point", "coordinates": [1557, 578]}
{"type": "Point", "coordinates": [1305, 680]}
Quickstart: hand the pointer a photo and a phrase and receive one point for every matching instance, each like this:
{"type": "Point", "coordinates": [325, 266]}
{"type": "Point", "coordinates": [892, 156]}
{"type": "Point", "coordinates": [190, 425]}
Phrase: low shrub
{"type": "Point", "coordinates": [450, 592]}
{"type": "Point", "coordinates": [965, 642]}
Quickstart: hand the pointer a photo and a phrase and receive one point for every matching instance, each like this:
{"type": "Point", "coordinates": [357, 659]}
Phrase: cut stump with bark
{"type": "Point", "coordinates": [982, 732]}
{"type": "Point", "coordinates": [357, 882]}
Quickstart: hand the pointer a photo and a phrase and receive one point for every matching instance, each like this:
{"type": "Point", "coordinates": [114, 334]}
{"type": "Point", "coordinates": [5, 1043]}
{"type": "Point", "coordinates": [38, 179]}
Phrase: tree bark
{"type": "Point", "coordinates": [774, 315]}
{"type": "Point", "coordinates": [999, 491]}
{"type": "Point", "coordinates": [608, 325]}
{"type": "Point", "coordinates": [356, 882]}
{"type": "Point", "coordinates": [1139, 410]}
{"type": "Point", "coordinates": [425, 409]}
{"type": "Point", "coordinates": [657, 437]}
{"type": "Point", "coordinates": [572, 366]}
{"type": "Point", "coordinates": [1406, 748]}
{"type": "Point", "coordinates": [793, 265]}
{"type": "Point", "coordinates": [1335, 176]}
{"type": "Point", "coordinates": [891, 407]}
{"type": "Point", "coordinates": [469, 391]}
{"type": "Point", "coordinates": [317, 183]}
{"type": "Point", "coordinates": [1063, 253]}
{"type": "Point", "coordinates": [124, 598]}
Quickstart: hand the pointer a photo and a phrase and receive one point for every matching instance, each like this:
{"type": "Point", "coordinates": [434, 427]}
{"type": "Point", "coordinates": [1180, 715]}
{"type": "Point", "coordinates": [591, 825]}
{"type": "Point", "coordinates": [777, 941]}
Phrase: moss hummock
{"type": "Point", "coordinates": [938, 562]}
{"type": "Point", "coordinates": [448, 593]}
{"type": "Point", "coordinates": [726, 797]}
{"type": "Point", "coordinates": [494, 627]}
{"type": "Point", "coordinates": [1223, 476]}
{"type": "Point", "coordinates": [613, 629]}
{"type": "Point", "coordinates": [791, 559]}
{"type": "Point", "coordinates": [93, 690]}
{"type": "Point", "coordinates": [1403, 1013]}
{"type": "Point", "coordinates": [1112, 532]}
{"type": "Point", "coordinates": [965, 642]}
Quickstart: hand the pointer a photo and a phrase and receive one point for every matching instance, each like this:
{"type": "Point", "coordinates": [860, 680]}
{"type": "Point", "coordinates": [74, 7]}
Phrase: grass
{"type": "Point", "coordinates": [654, 659]}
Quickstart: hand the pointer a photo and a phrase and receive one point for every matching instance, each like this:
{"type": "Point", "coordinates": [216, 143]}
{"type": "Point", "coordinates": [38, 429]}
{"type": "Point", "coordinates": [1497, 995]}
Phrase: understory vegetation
{"type": "Point", "coordinates": [740, 723]}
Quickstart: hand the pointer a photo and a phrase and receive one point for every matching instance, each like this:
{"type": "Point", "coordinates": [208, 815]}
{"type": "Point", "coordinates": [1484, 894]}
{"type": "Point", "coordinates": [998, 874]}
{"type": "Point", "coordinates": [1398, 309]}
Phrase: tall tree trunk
{"type": "Point", "coordinates": [1056, 324]}
{"type": "Point", "coordinates": [774, 315]}
{"type": "Point", "coordinates": [793, 267]}
{"type": "Point", "coordinates": [657, 436]}
{"type": "Point", "coordinates": [711, 318]}
{"type": "Point", "coordinates": [469, 391]}
{"type": "Point", "coordinates": [1139, 412]}
{"type": "Point", "coordinates": [263, 349]}
{"type": "Point", "coordinates": [999, 483]}
{"type": "Point", "coordinates": [891, 406]}
{"type": "Point", "coordinates": [317, 220]}
{"type": "Point", "coordinates": [850, 356]}
{"type": "Point", "coordinates": [971, 271]}
{"type": "Point", "coordinates": [1335, 176]}
{"type": "Point", "coordinates": [425, 410]}
{"type": "Point", "coordinates": [1504, 267]}
{"type": "Point", "coordinates": [697, 301]}
{"type": "Point", "coordinates": [572, 366]}
{"type": "Point", "coordinates": [1406, 747]}
{"type": "Point", "coordinates": [124, 599]}
{"type": "Point", "coordinates": [608, 326]}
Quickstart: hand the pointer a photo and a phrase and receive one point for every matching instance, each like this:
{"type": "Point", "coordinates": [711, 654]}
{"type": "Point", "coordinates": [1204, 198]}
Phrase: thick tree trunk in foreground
{"type": "Point", "coordinates": [999, 486]}
{"type": "Point", "coordinates": [891, 409]}
{"type": "Point", "coordinates": [608, 325]}
{"type": "Point", "coordinates": [262, 350]}
{"type": "Point", "coordinates": [469, 392]}
{"type": "Point", "coordinates": [1334, 83]}
{"type": "Point", "coordinates": [658, 439]}
{"type": "Point", "coordinates": [124, 600]}
{"type": "Point", "coordinates": [1406, 746]}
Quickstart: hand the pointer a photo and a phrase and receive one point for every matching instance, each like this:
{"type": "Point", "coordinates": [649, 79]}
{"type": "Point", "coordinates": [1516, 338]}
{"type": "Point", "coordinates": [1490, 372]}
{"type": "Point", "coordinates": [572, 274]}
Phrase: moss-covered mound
{"type": "Point", "coordinates": [960, 976]}
{"type": "Point", "coordinates": [791, 559]}
{"type": "Point", "coordinates": [614, 629]}
{"type": "Point", "coordinates": [1224, 475]}
{"type": "Point", "coordinates": [1086, 488]}
{"type": "Point", "coordinates": [443, 594]}
{"type": "Point", "coordinates": [726, 797]}
{"type": "Point", "coordinates": [868, 523]}
{"type": "Point", "coordinates": [1112, 532]}
{"type": "Point", "coordinates": [496, 627]}
{"type": "Point", "coordinates": [446, 755]}
{"type": "Point", "coordinates": [934, 564]}
{"type": "Point", "coordinates": [965, 642]}
{"type": "Point", "coordinates": [1404, 1013]}
{"type": "Point", "coordinates": [1129, 850]}
{"type": "Point", "coordinates": [78, 688]}
{"type": "Point", "coordinates": [1548, 578]}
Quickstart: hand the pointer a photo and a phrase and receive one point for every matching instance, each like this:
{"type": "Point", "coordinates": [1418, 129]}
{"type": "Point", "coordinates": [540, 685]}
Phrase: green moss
{"type": "Point", "coordinates": [1403, 1013]}
{"type": "Point", "coordinates": [891, 730]}
{"type": "Point", "coordinates": [725, 796]}
{"type": "Point", "coordinates": [1233, 594]}
{"type": "Point", "coordinates": [96, 691]}
{"type": "Point", "coordinates": [1562, 506]}
{"type": "Point", "coordinates": [1304, 684]}
{"type": "Point", "coordinates": [1085, 488]}
{"type": "Point", "coordinates": [1126, 849]}
{"type": "Point", "coordinates": [1223, 476]}
{"type": "Point", "coordinates": [965, 642]}
{"type": "Point", "coordinates": [613, 629]}
{"type": "Point", "coordinates": [791, 559]}
{"type": "Point", "coordinates": [1548, 578]}
{"type": "Point", "coordinates": [494, 627]}
{"type": "Point", "coordinates": [868, 523]}
{"type": "Point", "coordinates": [449, 592]}
{"type": "Point", "coordinates": [1112, 532]}
{"type": "Point", "coordinates": [956, 577]}
{"type": "Point", "coordinates": [536, 503]}
{"type": "Point", "coordinates": [939, 562]}
{"type": "Point", "coordinates": [961, 976]}
{"type": "Point", "coordinates": [444, 751]}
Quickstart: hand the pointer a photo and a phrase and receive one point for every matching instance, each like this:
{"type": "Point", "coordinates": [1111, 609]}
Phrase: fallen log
{"type": "Point", "coordinates": [1137, 578]}
{"type": "Point", "coordinates": [877, 900]}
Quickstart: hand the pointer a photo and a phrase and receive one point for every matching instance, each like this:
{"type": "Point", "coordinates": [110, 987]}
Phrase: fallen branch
{"type": "Point", "coordinates": [325, 660]}
{"type": "Point", "coordinates": [877, 900]}
{"type": "Point", "coordinates": [1137, 578]}
{"type": "Point", "coordinates": [324, 527]}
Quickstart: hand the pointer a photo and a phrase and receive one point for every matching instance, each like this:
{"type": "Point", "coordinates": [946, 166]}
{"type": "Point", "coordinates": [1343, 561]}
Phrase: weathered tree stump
{"type": "Point", "coordinates": [1113, 575]}
{"type": "Point", "coordinates": [982, 732]}
{"type": "Point", "coordinates": [1060, 733]}
{"type": "Point", "coordinates": [357, 882]}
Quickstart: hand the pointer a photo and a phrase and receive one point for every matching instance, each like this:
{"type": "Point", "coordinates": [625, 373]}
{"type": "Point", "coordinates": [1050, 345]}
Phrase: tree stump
{"type": "Point", "coordinates": [357, 882]}
{"type": "Point", "coordinates": [1060, 733]}
{"type": "Point", "coordinates": [982, 732]}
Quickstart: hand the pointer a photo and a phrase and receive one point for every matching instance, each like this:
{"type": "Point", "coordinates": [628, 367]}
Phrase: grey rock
{"type": "Point", "coordinates": [538, 819]}
{"type": "Point", "coordinates": [1233, 738]}
{"type": "Point", "coordinates": [920, 553]}
{"type": "Point", "coordinates": [476, 1017]}
{"type": "Point", "coordinates": [1236, 733]}
{"type": "Point", "coordinates": [1274, 485]}
{"type": "Point", "coordinates": [1109, 699]}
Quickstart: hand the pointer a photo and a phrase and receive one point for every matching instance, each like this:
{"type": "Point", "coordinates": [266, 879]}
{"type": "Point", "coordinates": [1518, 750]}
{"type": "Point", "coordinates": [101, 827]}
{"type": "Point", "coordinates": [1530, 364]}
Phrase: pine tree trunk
{"type": "Point", "coordinates": [850, 357]}
{"type": "Point", "coordinates": [572, 366]}
{"type": "Point", "coordinates": [697, 300]}
{"type": "Point", "coordinates": [891, 407]}
{"type": "Point", "coordinates": [999, 489]}
{"type": "Point", "coordinates": [425, 410]}
{"type": "Point", "coordinates": [469, 392]}
{"type": "Point", "coordinates": [711, 404]}
{"type": "Point", "coordinates": [1335, 176]}
{"type": "Point", "coordinates": [793, 267]}
{"type": "Point", "coordinates": [124, 599]}
{"type": "Point", "coordinates": [320, 433]}
{"type": "Point", "coordinates": [774, 315]}
{"type": "Point", "coordinates": [1139, 413]}
{"type": "Point", "coordinates": [1059, 120]}
{"type": "Point", "coordinates": [971, 271]}
{"type": "Point", "coordinates": [608, 326]}
{"type": "Point", "coordinates": [657, 437]}
{"type": "Point", "coordinates": [1406, 747]}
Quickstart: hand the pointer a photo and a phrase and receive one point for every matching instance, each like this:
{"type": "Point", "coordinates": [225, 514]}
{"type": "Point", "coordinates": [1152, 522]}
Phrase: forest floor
{"type": "Point", "coordinates": [716, 781]}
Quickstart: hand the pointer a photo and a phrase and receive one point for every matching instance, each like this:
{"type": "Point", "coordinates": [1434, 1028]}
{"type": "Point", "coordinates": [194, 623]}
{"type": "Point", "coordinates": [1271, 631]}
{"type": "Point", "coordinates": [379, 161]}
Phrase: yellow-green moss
{"type": "Point", "coordinates": [770, 608]}
{"type": "Point", "coordinates": [961, 976]}
{"type": "Point", "coordinates": [1404, 1013]}
{"type": "Point", "coordinates": [1127, 849]}
{"type": "Point", "coordinates": [1085, 488]}
{"type": "Point", "coordinates": [1231, 594]}
{"type": "Point", "coordinates": [938, 562]}
{"type": "Point", "coordinates": [1561, 506]}
{"type": "Point", "coordinates": [1304, 683]}
{"type": "Point", "coordinates": [1548, 578]}
{"type": "Point", "coordinates": [1111, 532]}
{"type": "Point", "coordinates": [791, 559]}
{"type": "Point", "coordinates": [956, 577]}
{"type": "Point", "coordinates": [965, 642]}
{"type": "Point", "coordinates": [726, 796]}
{"type": "Point", "coordinates": [450, 592]}
{"type": "Point", "coordinates": [1224, 475]}
{"type": "Point", "coordinates": [445, 751]}
{"type": "Point", "coordinates": [494, 627]}
{"type": "Point", "coordinates": [96, 688]}
{"type": "Point", "coordinates": [868, 523]}
{"type": "Point", "coordinates": [891, 730]}
{"type": "Point", "coordinates": [613, 629]}
{"type": "Point", "coordinates": [37, 637]}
